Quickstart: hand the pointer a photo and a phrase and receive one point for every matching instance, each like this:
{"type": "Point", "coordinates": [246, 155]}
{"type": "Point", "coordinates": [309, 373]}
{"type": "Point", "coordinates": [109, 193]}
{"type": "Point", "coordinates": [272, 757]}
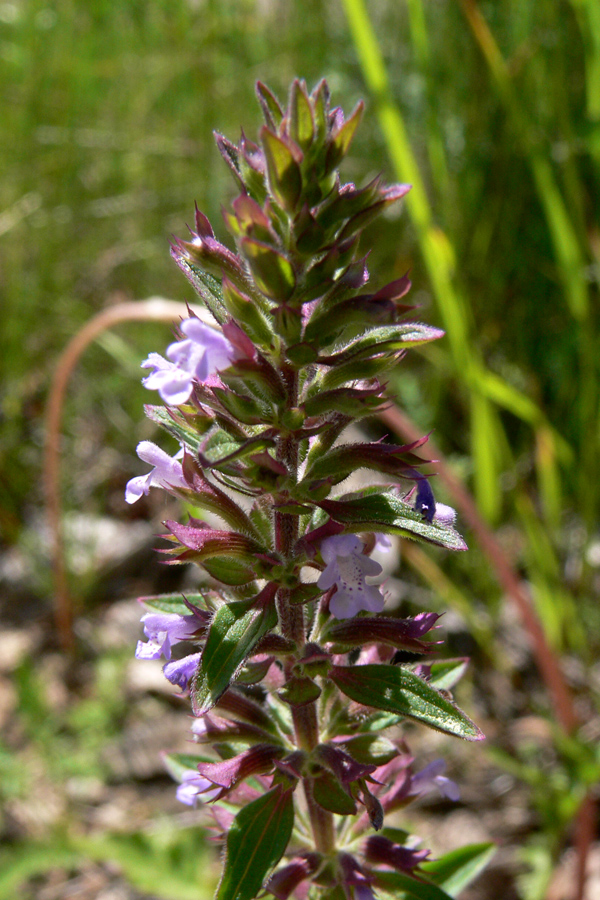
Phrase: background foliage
{"type": "Point", "coordinates": [493, 112]}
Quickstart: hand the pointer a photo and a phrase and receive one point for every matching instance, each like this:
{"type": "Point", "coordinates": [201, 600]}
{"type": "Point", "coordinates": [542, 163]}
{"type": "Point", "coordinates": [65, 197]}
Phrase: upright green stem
{"type": "Point", "coordinates": [292, 624]}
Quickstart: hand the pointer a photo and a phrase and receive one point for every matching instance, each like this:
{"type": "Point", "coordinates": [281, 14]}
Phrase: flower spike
{"type": "Point", "coordinates": [291, 665]}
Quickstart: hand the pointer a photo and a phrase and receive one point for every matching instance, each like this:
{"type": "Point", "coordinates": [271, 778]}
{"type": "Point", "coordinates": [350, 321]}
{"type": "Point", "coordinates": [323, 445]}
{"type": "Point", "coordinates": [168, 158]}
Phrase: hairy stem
{"type": "Point", "coordinates": [292, 623]}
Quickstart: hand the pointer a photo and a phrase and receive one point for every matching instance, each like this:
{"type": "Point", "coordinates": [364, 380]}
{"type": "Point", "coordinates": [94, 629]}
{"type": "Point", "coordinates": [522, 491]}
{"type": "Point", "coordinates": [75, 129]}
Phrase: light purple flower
{"type": "Point", "coordinates": [202, 353]}
{"type": "Point", "coordinates": [198, 727]}
{"type": "Point", "coordinates": [192, 785]}
{"type": "Point", "coordinates": [180, 671]}
{"type": "Point", "coordinates": [444, 515]}
{"type": "Point", "coordinates": [167, 472]}
{"type": "Point", "coordinates": [432, 776]}
{"type": "Point", "coordinates": [383, 543]}
{"type": "Point", "coordinates": [347, 569]}
{"type": "Point", "coordinates": [163, 630]}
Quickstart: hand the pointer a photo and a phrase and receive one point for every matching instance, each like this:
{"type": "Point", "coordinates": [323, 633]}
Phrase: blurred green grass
{"type": "Point", "coordinates": [107, 113]}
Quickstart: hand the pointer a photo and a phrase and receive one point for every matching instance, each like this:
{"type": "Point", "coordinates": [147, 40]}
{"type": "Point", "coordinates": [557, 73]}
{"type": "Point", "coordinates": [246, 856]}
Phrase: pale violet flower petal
{"type": "Point", "coordinates": [433, 776]}
{"type": "Point", "coordinates": [198, 727]}
{"type": "Point", "coordinates": [347, 568]}
{"type": "Point", "coordinates": [340, 545]}
{"type": "Point", "coordinates": [157, 362]}
{"type": "Point", "coordinates": [447, 788]}
{"type": "Point", "coordinates": [192, 786]}
{"type": "Point", "coordinates": [328, 576]}
{"type": "Point", "coordinates": [167, 472]}
{"type": "Point", "coordinates": [163, 630]}
{"type": "Point", "coordinates": [148, 650]}
{"type": "Point", "coordinates": [137, 487]}
{"type": "Point", "coordinates": [173, 383]}
{"type": "Point", "coordinates": [202, 353]}
{"type": "Point", "coordinates": [383, 543]}
{"type": "Point", "coordinates": [181, 671]}
{"type": "Point", "coordinates": [445, 515]}
{"type": "Point", "coordinates": [190, 357]}
{"type": "Point", "coordinates": [218, 350]}
{"type": "Point", "coordinates": [345, 604]}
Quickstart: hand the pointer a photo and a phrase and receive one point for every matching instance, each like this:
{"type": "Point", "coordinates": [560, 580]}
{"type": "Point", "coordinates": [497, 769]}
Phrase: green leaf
{"type": "Point", "coordinates": [177, 427]}
{"type": "Point", "coordinates": [178, 763]}
{"type": "Point", "coordinates": [220, 445]}
{"type": "Point", "coordinates": [247, 314]}
{"type": "Point", "coordinates": [301, 120]}
{"type": "Point", "coordinates": [371, 749]}
{"type": "Point", "coordinates": [329, 793]}
{"type": "Point", "coordinates": [378, 722]}
{"type": "Point", "coordinates": [299, 691]}
{"type": "Point", "coordinates": [386, 512]}
{"type": "Point", "coordinates": [229, 571]}
{"type": "Point", "coordinates": [221, 450]}
{"type": "Point", "coordinates": [270, 105]}
{"type": "Point", "coordinates": [235, 630]}
{"type": "Point", "coordinates": [285, 177]}
{"type": "Point", "coordinates": [446, 673]}
{"type": "Point", "coordinates": [272, 271]}
{"type": "Point", "coordinates": [403, 887]}
{"type": "Point", "coordinates": [341, 206]}
{"type": "Point", "coordinates": [173, 603]}
{"type": "Point", "coordinates": [256, 842]}
{"type": "Point", "coordinates": [456, 870]}
{"type": "Point", "coordinates": [340, 142]}
{"type": "Point", "coordinates": [243, 408]}
{"type": "Point", "coordinates": [398, 690]}
{"type": "Point", "coordinates": [206, 286]}
{"type": "Point", "coordinates": [387, 339]}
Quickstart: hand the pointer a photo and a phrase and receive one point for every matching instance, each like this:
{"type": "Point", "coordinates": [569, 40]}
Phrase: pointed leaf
{"type": "Point", "coordinates": [385, 339]}
{"type": "Point", "coordinates": [403, 887]}
{"type": "Point", "coordinates": [175, 425]}
{"type": "Point", "coordinates": [301, 118]}
{"type": "Point", "coordinates": [446, 673]}
{"type": "Point", "coordinates": [386, 512]}
{"type": "Point", "coordinates": [270, 105]}
{"type": "Point", "coordinates": [234, 632]}
{"type": "Point", "coordinates": [343, 459]}
{"type": "Point", "coordinates": [395, 689]}
{"type": "Point", "coordinates": [173, 603]}
{"type": "Point", "coordinates": [454, 871]}
{"type": "Point", "coordinates": [285, 178]}
{"type": "Point", "coordinates": [356, 370]}
{"type": "Point", "coordinates": [246, 314]}
{"type": "Point", "coordinates": [340, 141]}
{"type": "Point", "coordinates": [300, 691]}
{"type": "Point", "coordinates": [330, 794]}
{"type": "Point", "coordinates": [272, 270]}
{"type": "Point", "coordinates": [256, 842]}
{"type": "Point", "coordinates": [220, 447]}
{"type": "Point", "coordinates": [207, 542]}
{"type": "Point", "coordinates": [343, 204]}
{"type": "Point", "coordinates": [245, 409]}
{"type": "Point", "coordinates": [371, 749]}
{"type": "Point", "coordinates": [403, 634]}
{"type": "Point", "coordinates": [206, 286]}
{"type": "Point", "coordinates": [178, 763]}
{"type": "Point", "coordinates": [320, 98]}
{"type": "Point", "coordinates": [229, 571]}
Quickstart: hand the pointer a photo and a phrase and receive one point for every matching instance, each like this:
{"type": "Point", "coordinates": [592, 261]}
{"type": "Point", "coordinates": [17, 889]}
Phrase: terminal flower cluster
{"type": "Point", "coordinates": [301, 676]}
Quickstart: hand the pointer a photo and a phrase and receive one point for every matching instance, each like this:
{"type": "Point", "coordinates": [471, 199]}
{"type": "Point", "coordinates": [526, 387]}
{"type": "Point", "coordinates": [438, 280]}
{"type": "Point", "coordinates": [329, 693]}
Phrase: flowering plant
{"type": "Point", "coordinates": [292, 671]}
